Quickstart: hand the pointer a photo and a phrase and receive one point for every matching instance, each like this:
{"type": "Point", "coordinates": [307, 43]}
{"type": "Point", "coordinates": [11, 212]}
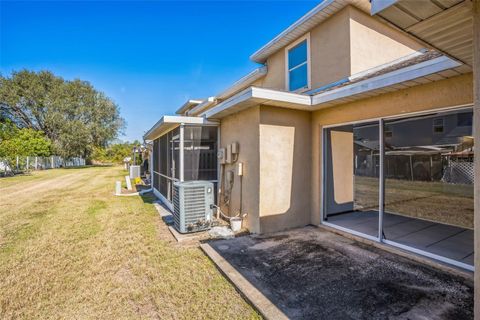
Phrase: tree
{"type": "Point", "coordinates": [22, 142]}
{"type": "Point", "coordinates": [72, 114]}
{"type": "Point", "coordinates": [116, 152]}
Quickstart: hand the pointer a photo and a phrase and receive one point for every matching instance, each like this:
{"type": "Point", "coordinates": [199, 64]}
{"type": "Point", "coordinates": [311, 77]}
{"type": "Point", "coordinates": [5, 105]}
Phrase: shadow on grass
{"type": "Point", "coordinates": [15, 174]}
{"type": "Point", "coordinates": [148, 197]}
{"type": "Point", "coordinates": [90, 166]}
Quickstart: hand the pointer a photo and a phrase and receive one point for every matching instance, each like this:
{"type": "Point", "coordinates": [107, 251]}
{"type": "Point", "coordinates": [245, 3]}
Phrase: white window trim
{"type": "Point", "coordinates": [309, 65]}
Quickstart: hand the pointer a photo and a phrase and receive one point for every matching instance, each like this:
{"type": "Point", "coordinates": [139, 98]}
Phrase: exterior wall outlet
{"type": "Point", "coordinates": [221, 155]}
{"type": "Point", "coordinates": [235, 148]}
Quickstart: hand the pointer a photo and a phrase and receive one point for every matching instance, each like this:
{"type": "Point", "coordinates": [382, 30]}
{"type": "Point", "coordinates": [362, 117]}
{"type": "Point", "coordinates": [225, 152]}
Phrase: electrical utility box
{"type": "Point", "coordinates": [192, 204]}
{"type": "Point", "coordinates": [134, 172]}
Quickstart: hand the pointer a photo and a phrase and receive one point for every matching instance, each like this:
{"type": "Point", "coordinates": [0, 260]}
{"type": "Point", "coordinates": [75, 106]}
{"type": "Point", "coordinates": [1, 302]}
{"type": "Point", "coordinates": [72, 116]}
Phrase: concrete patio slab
{"type": "Point", "coordinates": [444, 240]}
{"type": "Point", "coordinates": [310, 273]}
{"type": "Point", "coordinates": [458, 246]}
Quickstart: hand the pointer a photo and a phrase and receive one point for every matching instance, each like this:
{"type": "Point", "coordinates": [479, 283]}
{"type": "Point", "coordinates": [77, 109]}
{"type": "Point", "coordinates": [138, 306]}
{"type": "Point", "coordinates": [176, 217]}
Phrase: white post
{"type": "Point", "coordinates": [129, 182]}
{"type": "Point", "coordinates": [118, 188]}
{"type": "Point", "coordinates": [17, 163]}
{"type": "Point", "coordinates": [36, 163]}
{"type": "Point", "coordinates": [52, 164]}
{"type": "Point", "coordinates": [381, 177]}
{"type": "Point", "coordinates": [28, 163]}
{"type": "Point", "coordinates": [181, 156]}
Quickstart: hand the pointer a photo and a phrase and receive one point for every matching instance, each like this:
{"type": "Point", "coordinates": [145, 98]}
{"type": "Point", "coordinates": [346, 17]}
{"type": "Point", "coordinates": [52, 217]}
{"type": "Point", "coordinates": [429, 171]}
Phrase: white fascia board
{"type": "Point", "coordinates": [243, 82]}
{"type": "Point", "coordinates": [261, 54]}
{"type": "Point", "coordinates": [188, 105]}
{"type": "Point", "coordinates": [185, 120]}
{"type": "Point", "coordinates": [306, 102]}
{"type": "Point", "coordinates": [167, 122]}
{"type": "Point", "coordinates": [380, 5]}
{"type": "Point", "coordinates": [259, 94]}
{"type": "Point", "coordinates": [281, 96]}
{"type": "Point", "coordinates": [202, 106]}
{"type": "Point", "coordinates": [230, 102]}
{"type": "Point", "coordinates": [388, 79]}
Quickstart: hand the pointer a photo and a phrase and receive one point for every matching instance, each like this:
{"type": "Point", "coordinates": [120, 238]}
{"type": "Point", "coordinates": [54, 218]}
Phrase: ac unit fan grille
{"type": "Point", "coordinates": [194, 207]}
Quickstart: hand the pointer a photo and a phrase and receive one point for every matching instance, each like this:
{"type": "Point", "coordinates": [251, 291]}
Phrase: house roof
{"type": "Point", "coordinates": [317, 15]}
{"type": "Point", "coordinates": [427, 67]}
{"type": "Point", "coordinates": [188, 105]}
{"type": "Point", "coordinates": [194, 107]}
{"type": "Point", "coordinates": [243, 82]}
{"type": "Point", "coordinates": [168, 123]}
{"type": "Point", "coordinates": [414, 59]}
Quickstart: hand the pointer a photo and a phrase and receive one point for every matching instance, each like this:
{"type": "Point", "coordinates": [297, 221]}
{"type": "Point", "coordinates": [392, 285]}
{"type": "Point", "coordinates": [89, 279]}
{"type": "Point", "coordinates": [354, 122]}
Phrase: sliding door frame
{"type": "Point", "coordinates": [380, 237]}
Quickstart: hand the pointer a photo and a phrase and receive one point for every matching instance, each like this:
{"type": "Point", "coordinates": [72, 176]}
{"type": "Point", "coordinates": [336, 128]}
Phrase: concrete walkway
{"type": "Point", "coordinates": [310, 273]}
{"type": "Point", "coordinates": [448, 241]}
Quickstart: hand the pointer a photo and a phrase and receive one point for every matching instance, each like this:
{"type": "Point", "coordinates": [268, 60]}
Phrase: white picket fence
{"type": "Point", "coordinates": [18, 164]}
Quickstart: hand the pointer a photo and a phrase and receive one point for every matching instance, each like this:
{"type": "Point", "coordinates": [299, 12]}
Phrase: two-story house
{"type": "Point", "coordinates": [350, 122]}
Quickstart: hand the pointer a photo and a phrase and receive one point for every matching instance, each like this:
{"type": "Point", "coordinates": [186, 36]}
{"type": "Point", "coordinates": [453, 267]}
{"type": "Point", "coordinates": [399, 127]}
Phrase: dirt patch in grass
{"type": "Point", "coordinates": [310, 273]}
{"type": "Point", "coordinates": [70, 249]}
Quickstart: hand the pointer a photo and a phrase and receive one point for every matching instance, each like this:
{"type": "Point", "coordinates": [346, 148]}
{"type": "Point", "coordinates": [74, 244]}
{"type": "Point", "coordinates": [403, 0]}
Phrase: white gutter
{"type": "Point", "coordinates": [260, 95]}
{"type": "Point", "coordinates": [188, 105]}
{"type": "Point", "coordinates": [243, 82]}
{"type": "Point", "coordinates": [202, 106]}
{"type": "Point", "coordinates": [388, 79]}
{"type": "Point", "coordinates": [254, 95]}
{"type": "Point", "coordinates": [261, 54]}
{"type": "Point", "coordinates": [168, 122]}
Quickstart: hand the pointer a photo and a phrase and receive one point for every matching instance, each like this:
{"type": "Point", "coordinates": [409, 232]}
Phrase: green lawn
{"type": "Point", "coordinates": [70, 249]}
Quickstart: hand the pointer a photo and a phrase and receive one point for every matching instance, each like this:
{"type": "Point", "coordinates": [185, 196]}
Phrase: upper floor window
{"type": "Point", "coordinates": [297, 66]}
{"type": "Point", "coordinates": [438, 125]}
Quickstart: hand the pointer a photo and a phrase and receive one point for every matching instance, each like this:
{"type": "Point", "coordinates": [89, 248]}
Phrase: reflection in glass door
{"type": "Point", "coordinates": [427, 175]}
{"type": "Point", "coordinates": [352, 171]}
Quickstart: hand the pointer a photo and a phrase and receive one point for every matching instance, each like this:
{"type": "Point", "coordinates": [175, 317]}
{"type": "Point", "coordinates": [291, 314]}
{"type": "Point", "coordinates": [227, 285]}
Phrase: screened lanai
{"type": "Point", "coordinates": [184, 149]}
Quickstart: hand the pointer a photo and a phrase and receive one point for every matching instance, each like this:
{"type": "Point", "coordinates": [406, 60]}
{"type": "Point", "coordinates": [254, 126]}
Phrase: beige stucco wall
{"type": "Point", "coordinates": [275, 152]}
{"type": "Point", "coordinates": [243, 128]}
{"type": "Point", "coordinates": [373, 43]}
{"type": "Point", "coordinates": [275, 77]}
{"type": "Point", "coordinates": [442, 94]}
{"type": "Point", "coordinates": [330, 49]}
{"type": "Point", "coordinates": [348, 42]}
{"type": "Point", "coordinates": [284, 140]}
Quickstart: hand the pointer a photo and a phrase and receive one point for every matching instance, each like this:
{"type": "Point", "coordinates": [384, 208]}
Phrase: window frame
{"type": "Point", "coordinates": [436, 126]}
{"type": "Point", "coordinates": [287, 71]}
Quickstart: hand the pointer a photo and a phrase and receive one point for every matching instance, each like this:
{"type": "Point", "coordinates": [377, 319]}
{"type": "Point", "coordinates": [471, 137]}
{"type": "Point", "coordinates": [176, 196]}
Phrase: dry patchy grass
{"type": "Point", "coordinates": [69, 249]}
{"type": "Point", "coordinates": [434, 201]}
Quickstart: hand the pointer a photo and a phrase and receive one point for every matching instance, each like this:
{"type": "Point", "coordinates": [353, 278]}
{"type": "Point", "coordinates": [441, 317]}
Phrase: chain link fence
{"type": "Point", "coordinates": [19, 164]}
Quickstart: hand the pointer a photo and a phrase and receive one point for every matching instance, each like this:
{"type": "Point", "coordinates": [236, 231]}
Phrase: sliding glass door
{"type": "Point", "coordinates": [352, 177]}
{"type": "Point", "coordinates": [428, 178]}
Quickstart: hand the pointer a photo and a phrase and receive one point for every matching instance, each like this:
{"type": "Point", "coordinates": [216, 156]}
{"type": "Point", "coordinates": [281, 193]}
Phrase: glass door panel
{"type": "Point", "coordinates": [429, 183]}
{"type": "Point", "coordinates": [351, 169]}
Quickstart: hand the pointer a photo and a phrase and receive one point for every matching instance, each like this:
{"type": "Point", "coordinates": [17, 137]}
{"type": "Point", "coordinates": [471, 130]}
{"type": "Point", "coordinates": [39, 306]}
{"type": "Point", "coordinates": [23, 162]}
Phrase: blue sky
{"type": "Point", "coordinates": [149, 57]}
